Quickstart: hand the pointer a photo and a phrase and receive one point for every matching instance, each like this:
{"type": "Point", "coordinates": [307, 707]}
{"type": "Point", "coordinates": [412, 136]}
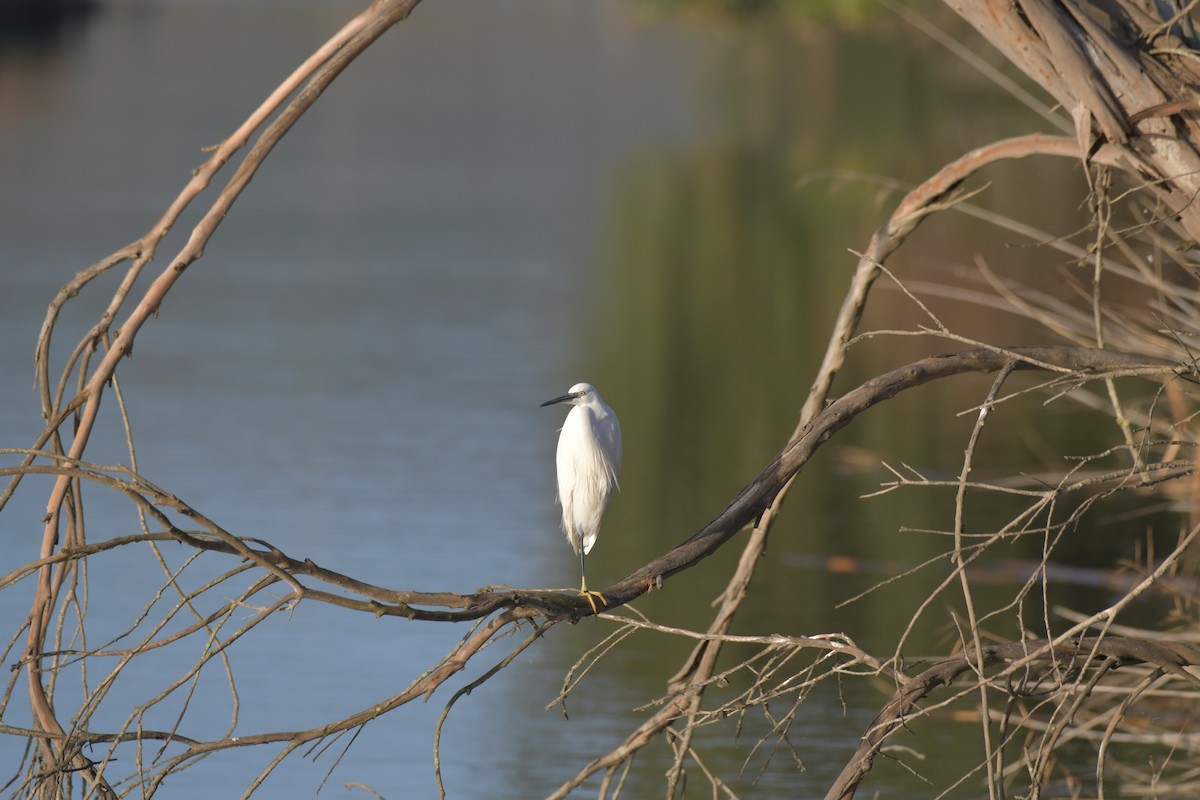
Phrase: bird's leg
{"type": "Point", "coordinates": [583, 589]}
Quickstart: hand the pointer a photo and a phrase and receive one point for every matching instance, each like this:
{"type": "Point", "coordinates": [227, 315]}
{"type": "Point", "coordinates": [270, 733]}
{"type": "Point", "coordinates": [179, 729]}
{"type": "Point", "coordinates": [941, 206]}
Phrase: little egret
{"type": "Point", "coordinates": [588, 460]}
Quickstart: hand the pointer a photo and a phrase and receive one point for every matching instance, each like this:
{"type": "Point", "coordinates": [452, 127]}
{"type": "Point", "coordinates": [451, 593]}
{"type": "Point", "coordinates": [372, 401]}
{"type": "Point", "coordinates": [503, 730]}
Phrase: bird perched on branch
{"type": "Point", "coordinates": [588, 460]}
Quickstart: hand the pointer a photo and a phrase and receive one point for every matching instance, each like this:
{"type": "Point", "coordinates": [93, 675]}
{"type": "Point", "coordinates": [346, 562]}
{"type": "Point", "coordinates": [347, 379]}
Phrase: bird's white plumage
{"type": "Point", "coordinates": [588, 461]}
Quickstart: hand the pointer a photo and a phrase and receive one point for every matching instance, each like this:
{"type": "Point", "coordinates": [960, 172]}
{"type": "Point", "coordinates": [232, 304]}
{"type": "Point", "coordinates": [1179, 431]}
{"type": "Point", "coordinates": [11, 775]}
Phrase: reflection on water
{"type": "Point", "coordinates": [493, 205]}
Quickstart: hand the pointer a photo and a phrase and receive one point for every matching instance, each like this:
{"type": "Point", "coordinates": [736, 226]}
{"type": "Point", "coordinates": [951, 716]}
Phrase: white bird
{"type": "Point", "coordinates": [588, 460]}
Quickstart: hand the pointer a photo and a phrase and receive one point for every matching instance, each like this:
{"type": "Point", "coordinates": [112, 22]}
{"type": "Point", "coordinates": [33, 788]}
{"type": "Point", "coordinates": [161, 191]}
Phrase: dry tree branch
{"type": "Point", "coordinates": [1127, 92]}
{"type": "Point", "coordinates": [316, 74]}
{"type": "Point", "coordinates": [538, 631]}
{"type": "Point", "coordinates": [957, 554]}
{"type": "Point", "coordinates": [1073, 655]}
{"type": "Point", "coordinates": [1099, 650]}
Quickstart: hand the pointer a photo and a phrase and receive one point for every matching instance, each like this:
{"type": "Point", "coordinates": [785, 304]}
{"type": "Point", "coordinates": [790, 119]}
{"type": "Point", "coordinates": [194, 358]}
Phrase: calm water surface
{"type": "Point", "coordinates": [497, 201]}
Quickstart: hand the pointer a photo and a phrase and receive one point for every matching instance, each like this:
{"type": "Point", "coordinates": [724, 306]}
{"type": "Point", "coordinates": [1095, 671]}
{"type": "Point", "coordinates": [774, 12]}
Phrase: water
{"type": "Point", "coordinates": [495, 202]}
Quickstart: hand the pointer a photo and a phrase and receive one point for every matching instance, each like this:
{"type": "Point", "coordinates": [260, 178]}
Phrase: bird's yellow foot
{"type": "Point", "coordinates": [586, 594]}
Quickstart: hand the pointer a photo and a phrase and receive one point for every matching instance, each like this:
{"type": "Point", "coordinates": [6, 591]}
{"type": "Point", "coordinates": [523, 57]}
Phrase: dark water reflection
{"type": "Point", "coordinates": [489, 207]}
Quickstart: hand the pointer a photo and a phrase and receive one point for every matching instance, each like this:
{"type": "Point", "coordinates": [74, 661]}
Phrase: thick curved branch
{"type": "Point", "coordinates": [1077, 363]}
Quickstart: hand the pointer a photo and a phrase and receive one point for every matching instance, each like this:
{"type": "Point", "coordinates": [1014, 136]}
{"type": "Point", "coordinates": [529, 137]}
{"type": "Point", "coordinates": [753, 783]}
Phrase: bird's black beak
{"type": "Point", "coordinates": [561, 399]}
